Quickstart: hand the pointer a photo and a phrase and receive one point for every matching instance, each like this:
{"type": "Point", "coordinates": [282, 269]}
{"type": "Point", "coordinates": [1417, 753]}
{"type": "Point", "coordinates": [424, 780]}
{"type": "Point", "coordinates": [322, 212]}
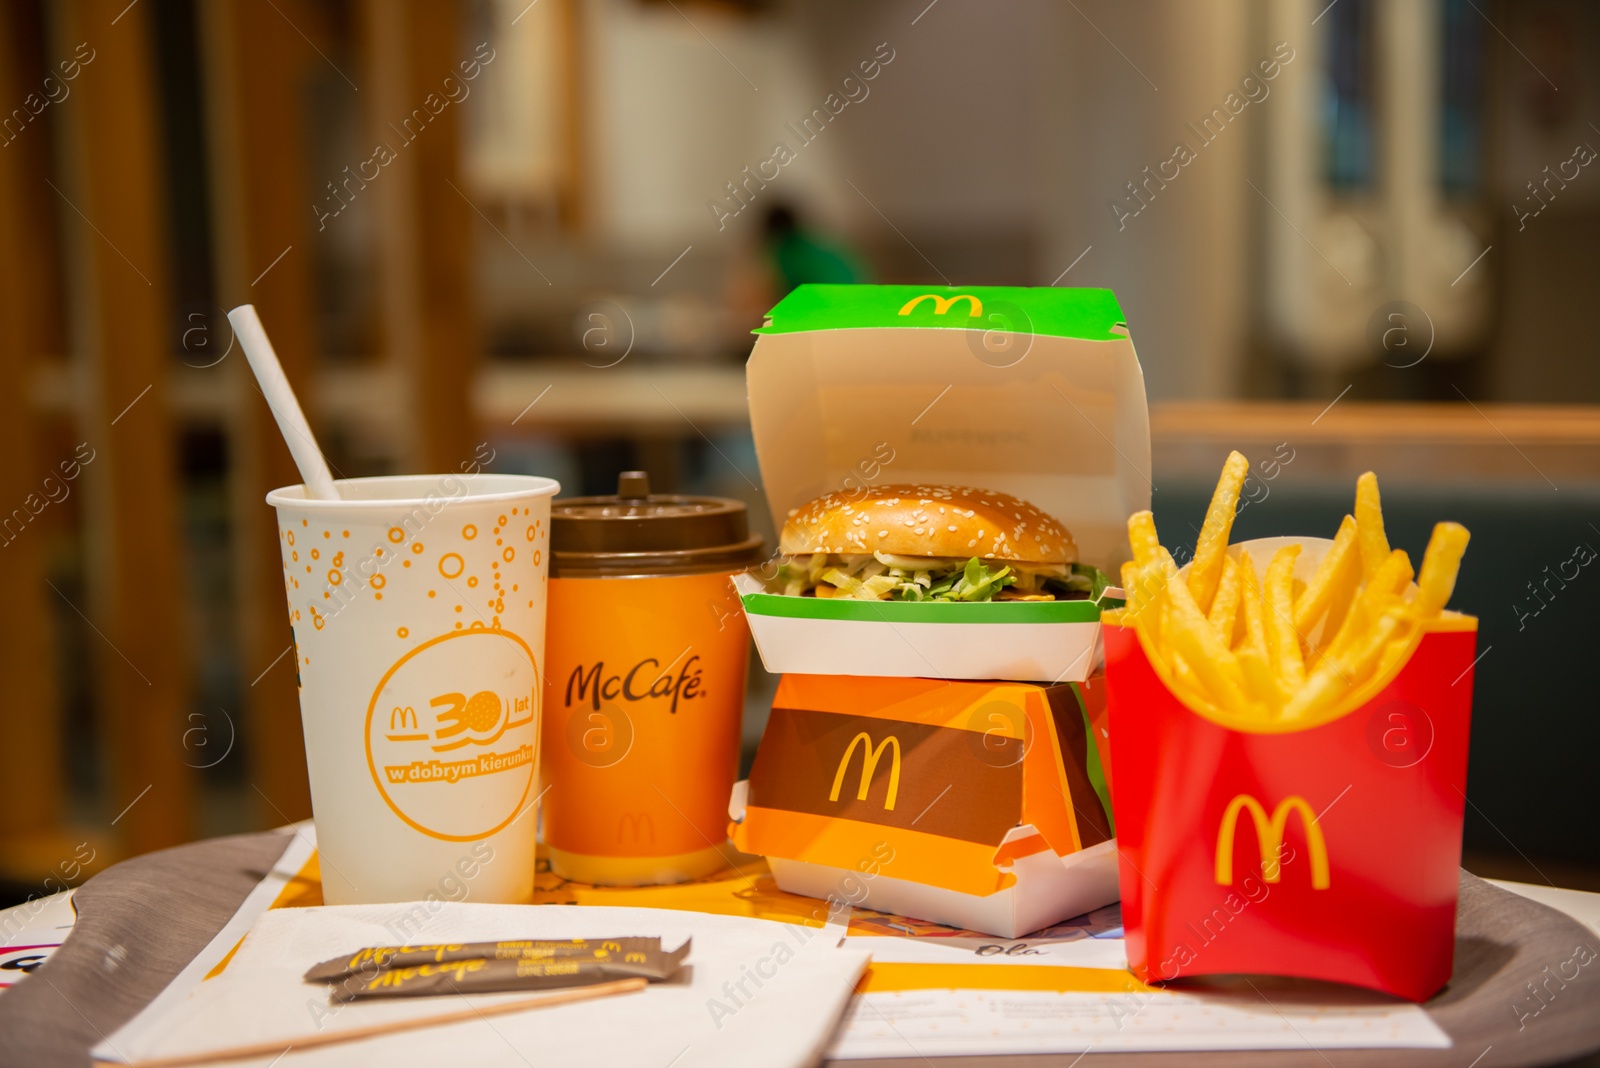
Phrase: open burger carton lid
{"type": "Point", "coordinates": [1035, 392]}
{"type": "Point", "coordinates": [979, 805]}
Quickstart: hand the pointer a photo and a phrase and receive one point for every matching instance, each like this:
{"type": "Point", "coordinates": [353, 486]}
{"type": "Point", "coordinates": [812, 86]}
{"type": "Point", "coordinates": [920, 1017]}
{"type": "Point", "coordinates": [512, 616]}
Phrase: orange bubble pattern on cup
{"type": "Point", "coordinates": [463, 566]}
{"type": "Point", "coordinates": [454, 562]}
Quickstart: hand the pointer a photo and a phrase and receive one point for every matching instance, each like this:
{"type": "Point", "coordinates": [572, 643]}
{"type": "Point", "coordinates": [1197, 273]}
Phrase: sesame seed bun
{"type": "Point", "coordinates": [958, 521]}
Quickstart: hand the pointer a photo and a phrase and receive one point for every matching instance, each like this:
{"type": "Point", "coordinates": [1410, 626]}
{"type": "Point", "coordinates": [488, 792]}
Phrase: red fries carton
{"type": "Point", "coordinates": [1327, 848]}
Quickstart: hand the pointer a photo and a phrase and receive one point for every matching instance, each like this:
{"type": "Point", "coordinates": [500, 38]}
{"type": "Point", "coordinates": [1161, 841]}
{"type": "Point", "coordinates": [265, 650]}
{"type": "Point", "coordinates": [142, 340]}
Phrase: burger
{"type": "Point", "coordinates": [929, 543]}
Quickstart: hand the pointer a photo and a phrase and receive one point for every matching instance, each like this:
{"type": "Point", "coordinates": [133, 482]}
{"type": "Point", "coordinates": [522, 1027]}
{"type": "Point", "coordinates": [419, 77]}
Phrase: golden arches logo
{"type": "Point", "coordinates": [1269, 837]}
{"type": "Point", "coordinates": [941, 305]}
{"type": "Point", "coordinates": [638, 826]}
{"type": "Point", "coordinates": [869, 766]}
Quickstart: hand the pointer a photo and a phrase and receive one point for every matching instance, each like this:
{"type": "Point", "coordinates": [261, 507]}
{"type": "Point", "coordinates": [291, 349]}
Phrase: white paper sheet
{"type": "Point", "coordinates": [1259, 1013]}
{"type": "Point", "coordinates": [757, 993]}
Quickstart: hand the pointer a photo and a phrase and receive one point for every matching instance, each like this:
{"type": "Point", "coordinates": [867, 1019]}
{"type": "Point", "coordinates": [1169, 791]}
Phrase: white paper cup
{"type": "Point", "coordinates": [418, 609]}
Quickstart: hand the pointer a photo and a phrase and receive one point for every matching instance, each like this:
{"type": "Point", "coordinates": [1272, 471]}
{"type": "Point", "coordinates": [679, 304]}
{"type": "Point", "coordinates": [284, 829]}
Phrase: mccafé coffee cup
{"type": "Point", "coordinates": [644, 683]}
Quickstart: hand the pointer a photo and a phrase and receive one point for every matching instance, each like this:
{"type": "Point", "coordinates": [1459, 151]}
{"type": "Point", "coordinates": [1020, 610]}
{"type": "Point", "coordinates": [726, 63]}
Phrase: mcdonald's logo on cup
{"type": "Point", "coordinates": [636, 827]}
{"type": "Point", "coordinates": [941, 305]}
{"type": "Point", "coordinates": [869, 765]}
{"type": "Point", "coordinates": [1269, 838]}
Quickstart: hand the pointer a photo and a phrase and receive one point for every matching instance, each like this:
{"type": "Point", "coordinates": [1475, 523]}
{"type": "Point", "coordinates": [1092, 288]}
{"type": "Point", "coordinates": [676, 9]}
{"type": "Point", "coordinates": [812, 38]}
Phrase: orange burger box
{"type": "Point", "coordinates": [1032, 392]}
{"type": "Point", "coordinates": [981, 805]}
{"type": "Point", "coordinates": [1327, 849]}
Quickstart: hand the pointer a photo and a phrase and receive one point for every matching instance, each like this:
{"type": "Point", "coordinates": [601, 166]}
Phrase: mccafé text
{"type": "Point", "coordinates": [647, 679]}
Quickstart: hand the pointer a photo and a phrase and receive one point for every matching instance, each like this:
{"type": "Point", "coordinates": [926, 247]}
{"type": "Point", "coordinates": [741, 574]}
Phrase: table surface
{"type": "Point", "coordinates": [140, 922]}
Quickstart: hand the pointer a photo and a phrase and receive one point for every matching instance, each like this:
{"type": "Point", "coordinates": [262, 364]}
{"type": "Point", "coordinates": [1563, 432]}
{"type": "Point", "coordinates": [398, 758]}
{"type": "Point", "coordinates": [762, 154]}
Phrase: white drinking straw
{"type": "Point", "coordinates": [281, 399]}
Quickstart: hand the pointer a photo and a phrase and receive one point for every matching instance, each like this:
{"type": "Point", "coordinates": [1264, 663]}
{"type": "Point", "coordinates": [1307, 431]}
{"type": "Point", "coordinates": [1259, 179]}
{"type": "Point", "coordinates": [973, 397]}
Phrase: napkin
{"type": "Point", "coordinates": [753, 993]}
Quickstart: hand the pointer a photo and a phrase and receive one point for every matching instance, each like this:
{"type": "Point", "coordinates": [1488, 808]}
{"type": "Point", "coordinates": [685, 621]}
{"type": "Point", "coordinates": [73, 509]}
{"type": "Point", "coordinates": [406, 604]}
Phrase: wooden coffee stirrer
{"type": "Point", "coordinates": [355, 1034]}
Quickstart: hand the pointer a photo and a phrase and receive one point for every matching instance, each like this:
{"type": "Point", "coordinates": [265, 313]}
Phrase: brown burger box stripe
{"type": "Point", "coordinates": [902, 771]}
{"type": "Point", "coordinates": [1071, 721]}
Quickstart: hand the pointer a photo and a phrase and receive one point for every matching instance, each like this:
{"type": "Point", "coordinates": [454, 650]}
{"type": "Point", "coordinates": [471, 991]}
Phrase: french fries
{"type": "Point", "coordinates": [1187, 628]}
{"type": "Point", "coordinates": [1260, 680]}
{"type": "Point", "coordinates": [1283, 641]}
{"type": "Point", "coordinates": [1254, 634]}
{"type": "Point", "coordinates": [1142, 537]}
{"type": "Point", "coordinates": [1212, 547]}
{"type": "Point", "coordinates": [1369, 524]}
{"type": "Point", "coordinates": [1225, 605]}
{"type": "Point", "coordinates": [1380, 593]}
{"type": "Point", "coordinates": [1440, 563]}
{"type": "Point", "coordinates": [1339, 572]}
{"type": "Point", "coordinates": [1267, 645]}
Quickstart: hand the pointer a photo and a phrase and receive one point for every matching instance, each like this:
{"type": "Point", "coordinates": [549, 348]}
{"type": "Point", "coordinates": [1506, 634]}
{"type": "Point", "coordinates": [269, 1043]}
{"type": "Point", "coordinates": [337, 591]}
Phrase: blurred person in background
{"type": "Point", "coordinates": [786, 253]}
{"type": "Point", "coordinates": [797, 254]}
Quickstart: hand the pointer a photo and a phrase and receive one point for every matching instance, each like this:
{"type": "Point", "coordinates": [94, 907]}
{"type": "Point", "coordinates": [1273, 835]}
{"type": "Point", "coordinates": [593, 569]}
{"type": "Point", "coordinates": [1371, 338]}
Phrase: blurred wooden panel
{"type": "Point", "coordinates": [30, 715]}
{"type": "Point", "coordinates": [111, 220]}
{"type": "Point", "coordinates": [568, 398]}
{"type": "Point", "coordinates": [427, 222]}
{"type": "Point", "coordinates": [573, 203]}
{"type": "Point", "coordinates": [445, 225]}
{"type": "Point", "coordinates": [526, 150]}
{"type": "Point", "coordinates": [1541, 445]}
{"type": "Point", "coordinates": [255, 65]}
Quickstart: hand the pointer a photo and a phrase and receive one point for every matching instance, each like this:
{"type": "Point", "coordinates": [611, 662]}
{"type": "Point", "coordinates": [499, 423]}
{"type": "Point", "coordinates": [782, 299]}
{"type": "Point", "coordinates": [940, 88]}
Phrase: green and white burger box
{"type": "Point", "coordinates": [1032, 392]}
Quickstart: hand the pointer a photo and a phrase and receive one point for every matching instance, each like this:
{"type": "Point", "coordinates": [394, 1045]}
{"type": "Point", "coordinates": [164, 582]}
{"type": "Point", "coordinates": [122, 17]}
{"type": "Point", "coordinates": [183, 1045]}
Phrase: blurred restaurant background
{"type": "Point", "coordinates": [536, 235]}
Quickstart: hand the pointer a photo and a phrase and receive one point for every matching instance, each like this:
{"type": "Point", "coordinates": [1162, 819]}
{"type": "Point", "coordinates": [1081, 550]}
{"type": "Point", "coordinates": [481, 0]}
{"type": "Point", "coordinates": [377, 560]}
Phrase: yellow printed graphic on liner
{"type": "Point", "coordinates": [899, 978]}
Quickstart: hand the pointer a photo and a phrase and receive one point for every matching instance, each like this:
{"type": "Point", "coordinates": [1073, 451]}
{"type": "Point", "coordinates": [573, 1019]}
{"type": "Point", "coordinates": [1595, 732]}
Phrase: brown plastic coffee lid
{"type": "Point", "coordinates": [637, 532]}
